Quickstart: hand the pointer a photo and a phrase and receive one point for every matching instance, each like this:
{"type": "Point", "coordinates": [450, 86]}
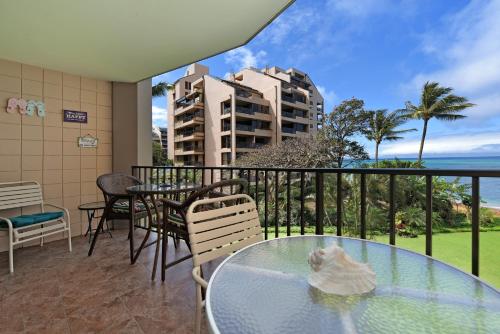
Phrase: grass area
{"type": "Point", "coordinates": [452, 247]}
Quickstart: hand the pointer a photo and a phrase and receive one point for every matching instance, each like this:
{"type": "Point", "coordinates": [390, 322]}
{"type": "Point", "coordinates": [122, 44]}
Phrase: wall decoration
{"type": "Point", "coordinates": [25, 107]}
{"type": "Point", "coordinates": [87, 141]}
{"type": "Point", "coordinates": [75, 116]}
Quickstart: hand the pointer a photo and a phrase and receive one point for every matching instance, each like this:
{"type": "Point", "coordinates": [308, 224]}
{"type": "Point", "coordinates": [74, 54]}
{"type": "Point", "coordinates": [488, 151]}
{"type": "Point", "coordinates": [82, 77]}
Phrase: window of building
{"type": "Point", "coordinates": [187, 85]}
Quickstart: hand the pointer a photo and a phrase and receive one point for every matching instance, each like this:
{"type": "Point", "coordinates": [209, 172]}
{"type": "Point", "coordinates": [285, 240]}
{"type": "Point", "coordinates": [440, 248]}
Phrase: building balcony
{"type": "Point", "coordinates": [190, 136]}
{"type": "Point", "coordinates": [194, 121]}
{"type": "Point", "coordinates": [198, 105]}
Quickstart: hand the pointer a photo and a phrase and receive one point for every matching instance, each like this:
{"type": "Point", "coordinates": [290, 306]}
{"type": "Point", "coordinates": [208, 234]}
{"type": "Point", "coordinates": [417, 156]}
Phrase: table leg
{"type": "Point", "coordinates": [150, 226]}
{"type": "Point", "coordinates": [164, 243]}
{"type": "Point", "coordinates": [131, 227]}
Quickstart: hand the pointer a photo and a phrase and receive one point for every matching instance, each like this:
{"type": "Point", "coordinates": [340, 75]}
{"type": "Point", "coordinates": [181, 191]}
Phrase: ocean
{"type": "Point", "coordinates": [489, 187]}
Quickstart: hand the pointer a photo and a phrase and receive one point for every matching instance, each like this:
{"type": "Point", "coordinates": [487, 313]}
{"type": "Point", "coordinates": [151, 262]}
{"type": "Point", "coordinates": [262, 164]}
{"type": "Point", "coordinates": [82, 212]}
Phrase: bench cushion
{"type": "Point", "coordinates": [123, 206]}
{"type": "Point", "coordinates": [26, 220]}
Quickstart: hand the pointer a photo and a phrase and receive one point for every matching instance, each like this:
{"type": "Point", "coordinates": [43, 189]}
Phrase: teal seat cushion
{"type": "Point", "coordinates": [26, 220]}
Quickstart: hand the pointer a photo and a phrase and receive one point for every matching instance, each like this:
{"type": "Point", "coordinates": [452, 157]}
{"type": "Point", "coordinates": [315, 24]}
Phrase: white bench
{"type": "Point", "coordinates": [25, 228]}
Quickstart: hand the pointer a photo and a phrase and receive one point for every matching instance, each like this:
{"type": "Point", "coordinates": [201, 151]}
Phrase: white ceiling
{"type": "Point", "coordinates": [127, 40]}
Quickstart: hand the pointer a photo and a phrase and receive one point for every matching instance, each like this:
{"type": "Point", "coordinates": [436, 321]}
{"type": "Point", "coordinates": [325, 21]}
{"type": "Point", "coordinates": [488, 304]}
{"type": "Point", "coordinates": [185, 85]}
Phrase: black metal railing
{"type": "Point", "coordinates": [274, 187]}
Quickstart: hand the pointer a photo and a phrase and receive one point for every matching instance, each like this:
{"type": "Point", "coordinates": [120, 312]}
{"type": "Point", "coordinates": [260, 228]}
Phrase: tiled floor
{"type": "Point", "coordinates": [54, 291]}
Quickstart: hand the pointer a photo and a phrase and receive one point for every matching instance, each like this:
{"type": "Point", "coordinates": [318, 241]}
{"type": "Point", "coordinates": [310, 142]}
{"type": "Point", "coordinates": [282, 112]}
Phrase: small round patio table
{"type": "Point", "coordinates": [91, 209]}
{"type": "Point", "coordinates": [144, 191]}
{"type": "Point", "coordinates": [263, 288]}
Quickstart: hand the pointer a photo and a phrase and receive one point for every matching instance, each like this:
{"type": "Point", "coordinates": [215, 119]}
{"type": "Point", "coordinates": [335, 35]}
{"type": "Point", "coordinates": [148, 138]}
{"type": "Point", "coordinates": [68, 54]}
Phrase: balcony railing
{"type": "Point", "coordinates": [261, 187]}
{"type": "Point", "coordinates": [288, 130]}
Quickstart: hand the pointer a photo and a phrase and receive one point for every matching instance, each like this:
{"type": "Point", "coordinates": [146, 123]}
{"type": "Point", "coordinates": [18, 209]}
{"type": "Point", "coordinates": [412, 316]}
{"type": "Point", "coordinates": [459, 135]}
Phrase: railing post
{"type": "Point", "coordinates": [276, 204]}
{"type": "Point", "coordinates": [392, 210]}
{"type": "Point", "coordinates": [266, 198]}
{"type": "Point", "coordinates": [288, 204]}
{"type": "Point", "coordinates": [320, 215]}
{"type": "Point", "coordinates": [302, 223]}
{"type": "Point", "coordinates": [339, 204]}
{"type": "Point", "coordinates": [428, 215]}
{"type": "Point", "coordinates": [475, 225]}
{"type": "Point", "coordinates": [363, 207]}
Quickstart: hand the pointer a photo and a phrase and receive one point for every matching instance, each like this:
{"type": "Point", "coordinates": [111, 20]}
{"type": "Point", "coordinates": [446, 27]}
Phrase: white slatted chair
{"type": "Point", "coordinates": [217, 227]}
{"type": "Point", "coordinates": [21, 229]}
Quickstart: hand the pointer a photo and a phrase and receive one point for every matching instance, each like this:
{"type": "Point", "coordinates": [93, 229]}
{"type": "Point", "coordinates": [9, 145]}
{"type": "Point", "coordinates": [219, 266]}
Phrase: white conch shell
{"type": "Point", "coordinates": [336, 272]}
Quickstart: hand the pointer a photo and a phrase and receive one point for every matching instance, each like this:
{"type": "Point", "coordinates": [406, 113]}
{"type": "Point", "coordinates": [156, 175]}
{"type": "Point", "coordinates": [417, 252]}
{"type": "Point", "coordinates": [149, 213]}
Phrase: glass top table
{"type": "Point", "coordinates": [263, 289]}
{"type": "Point", "coordinates": [166, 188]}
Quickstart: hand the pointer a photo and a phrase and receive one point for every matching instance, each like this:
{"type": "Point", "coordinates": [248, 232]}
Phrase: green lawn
{"type": "Point", "coordinates": [453, 248]}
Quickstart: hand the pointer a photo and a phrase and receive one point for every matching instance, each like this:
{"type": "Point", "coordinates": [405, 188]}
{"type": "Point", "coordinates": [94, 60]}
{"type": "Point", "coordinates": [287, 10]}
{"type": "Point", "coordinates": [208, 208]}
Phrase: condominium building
{"type": "Point", "coordinates": [213, 121]}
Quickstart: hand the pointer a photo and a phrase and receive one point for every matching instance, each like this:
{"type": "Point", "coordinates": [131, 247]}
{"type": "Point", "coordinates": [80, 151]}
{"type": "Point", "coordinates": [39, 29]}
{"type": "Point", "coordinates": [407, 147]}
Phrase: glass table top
{"type": "Point", "coordinates": [165, 188]}
{"type": "Point", "coordinates": [264, 289]}
{"type": "Point", "coordinates": [92, 206]}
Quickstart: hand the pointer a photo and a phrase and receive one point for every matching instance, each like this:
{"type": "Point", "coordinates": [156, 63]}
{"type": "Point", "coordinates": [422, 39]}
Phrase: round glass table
{"type": "Point", "coordinates": [263, 289]}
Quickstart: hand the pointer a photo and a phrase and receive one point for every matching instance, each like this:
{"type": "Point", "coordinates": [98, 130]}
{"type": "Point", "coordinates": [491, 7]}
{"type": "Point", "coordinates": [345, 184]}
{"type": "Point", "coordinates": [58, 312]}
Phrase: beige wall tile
{"type": "Point", "coordinates": [90, 109]}
{"type": "Point", "coordinates": [32, 132]}
{"type": "Point", "coordinates": [71, 189]}
{"type": "Point", "coordinates": [52, 133]}
{"type": "Point", "coordinates": [32, 120]}
{"type": "Point", "coordinates": [52, 147]}
{"type": "Point", "coordinates": [10, 163]}
{"type": "Point", "coordinates": [53, 77]}
{"type": "Point", "coordinates": [53, 105]}
{"type": "Point", "coordinates": [52, 90]}
{"type": "Point", "coordinates": [32, 147]}
{"type": "Point", "coordinates": [104, 149]}
{"type": "Point", "coordinates": [91, 123]}
{"type": "Point", "coordinates": [71, 105]}
{"type": "Point", "coordinates": [10, 84]}
{"type": "Point", "coordinates": [104, 112]}
{"type": "Point", "coordinates": [71, 175]}
{"type": "Point", "coordinates": [71, 162]}
{"type": "Point", "coordinates": [71, 124]}
{"type": "Point", "coordinates": [71, 148]}
{"type": "Point", "coordinates": [89, 151]}
{"type": "Point", "coordinates": [71, 94]}
{"type": "Point", "coordinates": [71, 202]}
{"type": "Point", "coordinates": [52, 162]}
{"type": "Point", "coordinates": [88, 199]}
{"type": "Point", "coordinates": [71, 135]}
{"type": "Point", "coordinates": [104, 124]}
{"type": "Point", "coordinates": [12, 147]}
{"type": "Point", "coordinates": [10, 176]}
{"type": "Point", "coordinates": [88, 175]}
{"type": "Point", "coordinates": [105, 137]}
{"type": "Point", "coordinates": [32, 87]}
{"type": "Point", "coordinates": [10, 131]}
{"type": "Point", "coordinates": [104, 87]}
{"type": "Point", "coordinates": [89, 84]}
{"type": "Point", "coordinates": [88, 96]}
{"type": "Point", "coordinates": [53, 120]}
{"type": "Point", "coordinates": [51, 191]}
{"type": "Point", "coordinates": [52, 176]}
{"type": "Point", "coordinates": [32, 72]}
{"type": "Point", "coordinates": [9, 118]}
{"type": "Point", "coordinates": [32, 175]}
{"type": "Point", "coordinates": [89, 188]}
{"type": "Point", "coordinates": [104, 163]}
{"type": "Point", "coordinates": [70, 80]}
{"type": "Point", "coordinates": [104, 99]}
{"type": "Point", "coordinates": [32, 162]}
{"type": "Point", "coordinates": [10, 68]}
{"type": "Point", "coordinates": [89, 161]}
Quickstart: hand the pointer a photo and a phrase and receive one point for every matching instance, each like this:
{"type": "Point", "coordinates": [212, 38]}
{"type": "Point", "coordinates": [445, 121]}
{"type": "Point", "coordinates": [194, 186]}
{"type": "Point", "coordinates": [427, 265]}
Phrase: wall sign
{"type": "Point", "coordinates": [75, 116]}
{"type": "Point", "coordinates": [87, 141]}
{"type": "Point", "coordinates": [26, 107]}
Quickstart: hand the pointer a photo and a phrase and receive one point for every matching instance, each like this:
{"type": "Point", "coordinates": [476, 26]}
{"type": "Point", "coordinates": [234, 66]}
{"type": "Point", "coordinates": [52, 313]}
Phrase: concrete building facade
{"type": "Point", "coordinates": [213, 121]}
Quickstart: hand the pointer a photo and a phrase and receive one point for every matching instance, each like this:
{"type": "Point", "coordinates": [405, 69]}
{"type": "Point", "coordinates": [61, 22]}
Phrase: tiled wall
{"type": "Point", "coordinates": [45, 149]}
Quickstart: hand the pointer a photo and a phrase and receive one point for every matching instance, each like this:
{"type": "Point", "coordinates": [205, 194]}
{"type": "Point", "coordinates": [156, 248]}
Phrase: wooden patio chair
{"type": "Point", "coordinates": [217, 227]}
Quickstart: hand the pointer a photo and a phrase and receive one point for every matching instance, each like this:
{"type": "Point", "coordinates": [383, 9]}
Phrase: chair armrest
{"type": "Point", "coordinates": [198, 279]}
{"type": "Point", "coordinates": [7, 220]}
{"type": "Point", "coordinates": [66, 211]}
{"type": "Point", "coordinates": [176, 205]}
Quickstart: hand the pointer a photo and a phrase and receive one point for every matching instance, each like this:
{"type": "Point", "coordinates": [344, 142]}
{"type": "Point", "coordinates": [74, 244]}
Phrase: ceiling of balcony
{"type": "Point", "coordinates": [127, 40]}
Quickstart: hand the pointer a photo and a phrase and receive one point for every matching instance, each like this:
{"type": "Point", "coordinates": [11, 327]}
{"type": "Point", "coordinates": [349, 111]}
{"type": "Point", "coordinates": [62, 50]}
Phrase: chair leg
{"type": "Point", "coordinates": [157, 252]}
{"type": "Point", "coordinates": [70, 247]}
{"type": "Point", "coordinates": [11, 254]}
{"type": "Point", "coordinates": [199, 306]}
{"type": "Point", "coordinates": [92, 245]}
{"type": "Point", "coordinates": [41, 239]}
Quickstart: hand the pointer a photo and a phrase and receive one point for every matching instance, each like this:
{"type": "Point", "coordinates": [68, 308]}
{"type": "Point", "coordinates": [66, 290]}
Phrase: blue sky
{"type": "Point", "coordinates": [382, 51]}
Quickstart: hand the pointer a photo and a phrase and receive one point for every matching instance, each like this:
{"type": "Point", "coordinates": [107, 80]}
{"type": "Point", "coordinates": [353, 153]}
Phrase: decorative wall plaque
{"type": "Point", "coordinates": [75, 116]}
{"type": "Point", "coordinates": [87, 141]}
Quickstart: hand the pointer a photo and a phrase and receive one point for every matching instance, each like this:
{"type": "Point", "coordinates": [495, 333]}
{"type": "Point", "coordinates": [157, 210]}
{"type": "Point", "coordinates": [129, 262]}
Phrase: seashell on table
{"type": "Point", "coordinates": [335, 272]}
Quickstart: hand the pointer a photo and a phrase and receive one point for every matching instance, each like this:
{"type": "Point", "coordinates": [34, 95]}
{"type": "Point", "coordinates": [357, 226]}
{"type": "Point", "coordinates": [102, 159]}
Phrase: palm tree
{"type": "Point", "coordinates": [382, 125]}
{"type": "Point", "coordinates": [436, 102]}
{"type": "Point", "coordinates": [160, 88]}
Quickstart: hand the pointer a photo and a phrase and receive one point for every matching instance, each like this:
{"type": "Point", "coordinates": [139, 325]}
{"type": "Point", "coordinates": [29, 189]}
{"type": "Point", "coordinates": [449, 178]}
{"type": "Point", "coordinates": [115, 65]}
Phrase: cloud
{"type": "Point", "coordinates": [359, 8]}
{"type": "Point", "coordinates": [467, 48]}
{"type": "Point", "coordinates": [244, 57]}
{"type": "Point", "coordinates": [483, 143]}
{"type": "Point", "coordinates": [329, 96]}
{"type": "Point", "coordinates": [159, 116]}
